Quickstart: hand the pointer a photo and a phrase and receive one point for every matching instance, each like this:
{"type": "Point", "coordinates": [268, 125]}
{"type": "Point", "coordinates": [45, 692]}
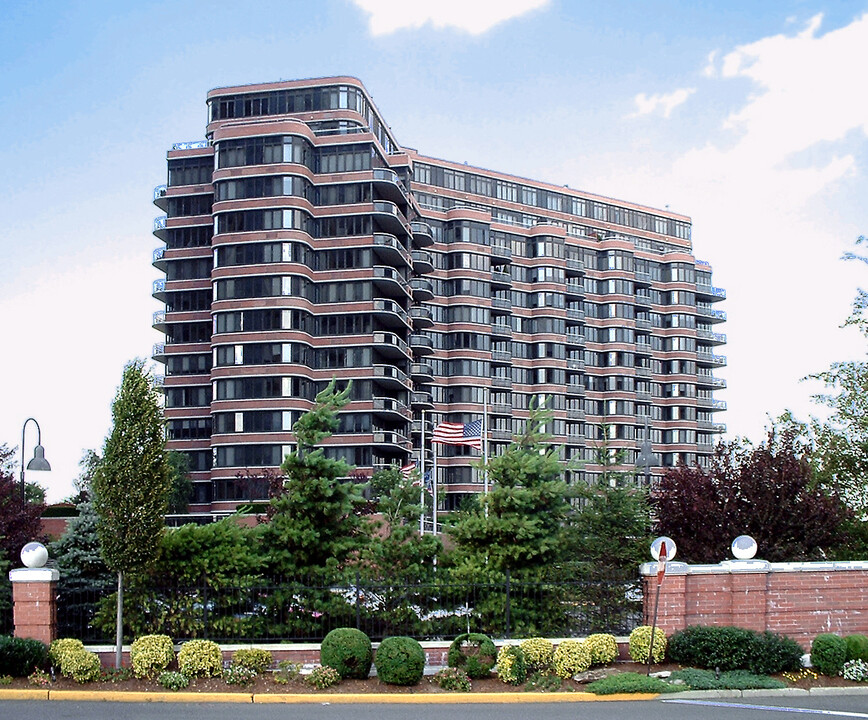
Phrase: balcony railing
{"type": "Point", "coordinates": [191, 145]}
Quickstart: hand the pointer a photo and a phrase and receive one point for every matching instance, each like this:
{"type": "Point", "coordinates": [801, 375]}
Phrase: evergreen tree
{"type": "Point", "coordinates": [131, 483]}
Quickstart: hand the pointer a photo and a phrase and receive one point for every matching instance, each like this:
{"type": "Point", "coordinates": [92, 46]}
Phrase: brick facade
{"type": "Point", "coordinates": [800, 600]}
{"type": "Point", "coordinates": [34, 603]}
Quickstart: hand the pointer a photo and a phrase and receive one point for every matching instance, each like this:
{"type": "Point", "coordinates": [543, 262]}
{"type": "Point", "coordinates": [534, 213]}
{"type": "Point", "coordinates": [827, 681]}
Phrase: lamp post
{"type": "Point", "coordinates": [38, 462]}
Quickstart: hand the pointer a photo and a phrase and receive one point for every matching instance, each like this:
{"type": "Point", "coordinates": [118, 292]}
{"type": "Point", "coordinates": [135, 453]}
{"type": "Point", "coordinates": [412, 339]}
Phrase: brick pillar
{"type": "Point", "coordinates": [35, 603]}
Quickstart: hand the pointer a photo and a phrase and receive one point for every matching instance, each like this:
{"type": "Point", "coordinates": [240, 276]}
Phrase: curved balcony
{"type": "Point", "coordinates": [423, 263]}
{"type": "Point", "coordinates": [501, 254]}
{"type": "Point", "coordinates": [713, 316]}
{"type": "Point", "coordinates": [159, 352]}
{"type": "Point", "coordinates": [422, 234]}
{"type": "Point", "coordinates": [709, 292]}
{"type": "Point", "coordinates": [501, 382]}
{"type": "Point", "coordinates": [501, 280]}
{"type": "Point", "coordinates": [708, 359]}
{"type": "Point", "coordinates": [417, 427]}
{"type": "Point", "coordinates": [642, 279]}
{"type": "Point", "coordinates": [391, 377]}
{"type": "Point", "coordinates": [643, 324]}
{"type": "Point", "coordinates": [158, 289]}
{"type": "Point", "coordinates": [160, 199]}
{"type": "Point", "coordinates": [500, 409]}
{"type": "Point", "coordinates": [157, 258]}
{"type": "Point", "coordinates": [391, 314]}
{"type": "Point", "coordinates": [575, 390]}
{"type": "Point", "coordinates": [421, 400]}
{"type": "Point", "coordinates": [388, 217]}
{"type": "Point", "coordinates": [388, 184]}
{"type": "Point", "coordinates": [160, 227]}
{"type": "Point", "coordinates": [711, 338]}
{"type": "Point", "coordinates": [710, 381]}
{"type": "Point", "coordinates": [501, 357]}
{"type": "Point", "coordinates": [190, 145]}
{"type": "Point", "coordinates": [642, 301]}
{"type": "Point", "coordinates": [158, 321]}
{"type": "Point", "coordinates": [575, 364]}
{"type": "Point", "coordinates": [390, 345]}
{"type": "Point", "coordinates": [389, 281]}
{"type": "Point", "coordinates": [575, 314]}
{"type": "Point", "coordinates": [501, 304]}
{"type": "Point", "coordinates": [575, 414]}
{"type": "Point", "coordinates": [422, 289]}
{"type": "Point", "coordinates": [575, 266]}
{"type": "Point", "coordinates": [574, 288]}
{"type": "Point", "coordinates": [421, 317]}
{"type": "Point", "coordinates": [421, 373]}
{"type": "Point", "coordinates": [391, 437]}
{"type": "Point", "coordinates": [391, 408]}
{"type": "Point", "coordinates": [388, 248]}
{"type": "Point", "coordinates": [575, 338]}
{"type": "Point", "coordinates": [501, 330]}
{"type": "Point", "coordinates": [421, 344]}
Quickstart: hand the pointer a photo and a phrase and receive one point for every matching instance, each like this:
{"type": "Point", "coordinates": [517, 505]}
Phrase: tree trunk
{"type": "Point", "coordinates": [119, 632]}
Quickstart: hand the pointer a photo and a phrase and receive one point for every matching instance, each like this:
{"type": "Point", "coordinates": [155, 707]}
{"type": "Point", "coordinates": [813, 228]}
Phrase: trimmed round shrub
{"type": "Point", "coordinates": [348, 651]}
{"type": "Point", "coordinates": [511, 667]}
{"type": "Point", "coordinates": [603, 648]}
{"type": "Point", "coordinates": [21, 656]}
{"type": "Point", "coordinates": [570, 658]}
{"type": "Point", "coordinates": [83, 667]}
{"type": "Point", "coordinates": [200, 658]}
{"type": "Point", "coordinates": [63, 648]}
{"type": "Point", "coordinates": [857, 647]}
{"type": "Point", "coordinates": [255, 659]}
{"type": "Point", "coordinates": [537, 654]}
{"type": "Point", "coordinates": [474, 653]}
{"type": "Point", "coordinates": [828, 653]}
{"type": "Point", "coordinates": [640, 642]}
{"type": "Point", "coordinates": [400, 661]}
{"type": "Point", "coordinates": [774, 653]}
{"type": "Point", "coordinates": [151, 654]}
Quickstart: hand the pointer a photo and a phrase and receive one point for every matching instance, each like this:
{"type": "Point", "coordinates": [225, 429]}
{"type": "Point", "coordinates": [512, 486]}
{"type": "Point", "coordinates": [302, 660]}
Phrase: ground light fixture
{"type": "Point", "coordinates": [38, 462]}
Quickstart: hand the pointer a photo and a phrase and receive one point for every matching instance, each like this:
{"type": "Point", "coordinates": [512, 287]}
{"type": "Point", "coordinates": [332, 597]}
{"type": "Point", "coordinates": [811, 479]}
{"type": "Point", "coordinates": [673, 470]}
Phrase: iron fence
{"type": "Point", "coordinates": [292, 610]}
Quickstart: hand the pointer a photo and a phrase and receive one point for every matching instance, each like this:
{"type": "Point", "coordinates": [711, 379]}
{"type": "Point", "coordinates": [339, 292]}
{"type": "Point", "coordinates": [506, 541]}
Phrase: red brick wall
{"type": "Point", "coordinates": [800, 600]}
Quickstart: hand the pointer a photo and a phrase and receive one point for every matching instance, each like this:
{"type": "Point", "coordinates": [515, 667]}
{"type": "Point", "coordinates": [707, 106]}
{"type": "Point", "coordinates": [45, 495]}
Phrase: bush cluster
{"type": "Point", "coordinates": [602, 647]}
{"type": "Point", "coordinates": [570, 658]}
{"type": "Point", "coordinates": [734, 648]}
{"type": "Point", "coordinates": [255, 659]}
{"type": "Point", "coordinates": [400, 661]}
{"type": "Point", "coordinates": [538, 654]}
{"type": "Point", "coordinates": [200, 658]}
{"type": "Point", "coordinates": [151, 654]}
{"type": "Point", "coordinates": [19, 657]}
{"type": "Point", "coordinates": [828, 653]}
{"type": "Point", "coordinates": [857, 647]}
{"type": "Point", "coordinates": [348, 651]}
{"type": "Point", "coordinates": [640, 643]}
{"type": "Point", "coordinates": [453, 678]}
{"type": "Point", "coordinates": [511, 667]}
{"type": "Point", "coordinates": [72, 660]}
{"type": "Point", "coordinates": [475, 653]}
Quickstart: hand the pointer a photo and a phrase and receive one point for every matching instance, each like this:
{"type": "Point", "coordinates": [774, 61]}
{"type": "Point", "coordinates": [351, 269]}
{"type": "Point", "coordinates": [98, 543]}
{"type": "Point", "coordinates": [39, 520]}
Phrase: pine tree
{"type": "Point", "coordinates": [131, 484]}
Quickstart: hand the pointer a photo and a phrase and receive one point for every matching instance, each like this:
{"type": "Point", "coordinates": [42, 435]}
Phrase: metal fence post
{"type": "Point", "coordinates": [358, 601]}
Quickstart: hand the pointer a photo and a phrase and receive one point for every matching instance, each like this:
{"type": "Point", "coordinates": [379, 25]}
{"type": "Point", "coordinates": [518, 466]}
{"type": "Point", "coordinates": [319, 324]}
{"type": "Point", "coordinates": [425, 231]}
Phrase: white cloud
{"type": "Point", "coordinates": [710, 69]}
{"type": "Point", "coordinates": [663, 102]}
{"type": "Point", "coordinates": [470, 16]}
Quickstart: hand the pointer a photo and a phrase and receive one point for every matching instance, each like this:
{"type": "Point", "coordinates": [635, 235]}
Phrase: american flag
{"type": "Point", "coordinates": [459, 434]}
{"type": "Point", "coordinates": [408, 469]}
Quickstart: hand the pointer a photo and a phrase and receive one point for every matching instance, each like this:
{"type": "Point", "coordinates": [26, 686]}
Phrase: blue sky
{"type": "Point", "coordinates": [749, 117]}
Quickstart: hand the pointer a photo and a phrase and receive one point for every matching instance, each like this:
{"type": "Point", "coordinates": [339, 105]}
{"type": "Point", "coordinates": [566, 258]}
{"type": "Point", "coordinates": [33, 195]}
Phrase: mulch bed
{"type": "Point", "coordinates": [266, 684]}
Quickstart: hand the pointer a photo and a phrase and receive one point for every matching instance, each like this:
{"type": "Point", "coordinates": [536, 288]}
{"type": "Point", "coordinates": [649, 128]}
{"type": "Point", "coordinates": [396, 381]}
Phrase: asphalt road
{"type": "Point", "coordinates": [766, 708]}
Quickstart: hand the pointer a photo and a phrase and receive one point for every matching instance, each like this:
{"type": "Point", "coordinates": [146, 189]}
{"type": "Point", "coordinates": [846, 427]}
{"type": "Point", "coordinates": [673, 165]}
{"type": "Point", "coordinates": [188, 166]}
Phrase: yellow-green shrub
{"type": "Point", "coordinates": [200, 658]}
{"type": "Point", "coordinates": [603, 648]}
{"type": "Point", "coordinates": [255, 659]}
{"type": "Point", "coordinates": [61, 649]}
{"type": "Point", "coordinates": [640, 641]}
{"type": "Point", "coordinates": [511, 667]}
{"type": "Point", "coordinates": [571, 657]}
{"type": "Point", "coordinates": [72, 660]}
{"type": "Point", "coordinates": [537, 654]}
{"type": "Point", "coordinates": [151, 654]}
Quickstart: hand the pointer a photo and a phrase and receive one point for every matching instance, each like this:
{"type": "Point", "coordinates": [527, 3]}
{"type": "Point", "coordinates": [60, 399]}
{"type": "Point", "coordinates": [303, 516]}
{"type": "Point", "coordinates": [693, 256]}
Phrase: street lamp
{"type": "Point", "coordinates": [38, 462]}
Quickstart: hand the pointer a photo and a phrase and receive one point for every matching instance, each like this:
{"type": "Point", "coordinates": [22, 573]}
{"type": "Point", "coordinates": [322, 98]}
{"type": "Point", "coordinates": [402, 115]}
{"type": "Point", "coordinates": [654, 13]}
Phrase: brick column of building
{"type": "Point", "coordinates": [34, 603]}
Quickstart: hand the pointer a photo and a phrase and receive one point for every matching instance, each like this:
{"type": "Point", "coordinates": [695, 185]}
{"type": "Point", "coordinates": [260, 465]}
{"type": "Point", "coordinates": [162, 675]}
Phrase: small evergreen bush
{"type": "Point", "coordinates": [173, 681]}
{"type": "Point", "coordinates": [200, 658]}
{"type": "Point", "coordinates": [473, 652]}
{"type": "Point", "coordinates": [697, 679]}
{"type": "Point", "coordinates": [323, 677]}
{"type": "Point", "coordinates": [828, 653]}
{"type": "Point", "coordinates": [453, 678]}
{"type": "Point", "coordinates": [151, 654]}
{"type": "Point", "coordinates": [538, 654]}
{"type": "Point", "coordinates": [255, 659]}
{"type": "Point", "coordinates": [21, 656]}
{"type": "Point", "coordinates": [775, 653]}
{"type": "Point", "coordinates": [348, 651]}
{"type": "Point", "coordinates": [511, 667]}
{"type": "Point", "coordinates": [400, 661]}
{"type": "Point", "coordinates": [857, 647]}
{"type": "Point", "coordinates": [602, 647]}
{"type": "Point", "coordinates": [570, 658]}
{"type": "Point", "coordinates": [640, 642]}
{"type": "Point", "coordinates": [630, 682]}
{"type": "Point", "coordinates": [734, 648]}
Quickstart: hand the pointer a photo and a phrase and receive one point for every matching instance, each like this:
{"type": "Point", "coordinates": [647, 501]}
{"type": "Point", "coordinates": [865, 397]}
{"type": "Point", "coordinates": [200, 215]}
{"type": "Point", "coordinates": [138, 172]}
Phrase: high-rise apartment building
{"type": "Point", "coordinates": [303, 242]}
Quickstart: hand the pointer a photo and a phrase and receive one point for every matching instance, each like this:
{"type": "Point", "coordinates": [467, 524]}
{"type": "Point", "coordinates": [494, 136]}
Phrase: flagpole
{"type": "Point", "coordinates": [485, 437]}
{"type": "Point", "coordinates": [434, 481]}
{"type": "Point", "coordinates": [422, 484]}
